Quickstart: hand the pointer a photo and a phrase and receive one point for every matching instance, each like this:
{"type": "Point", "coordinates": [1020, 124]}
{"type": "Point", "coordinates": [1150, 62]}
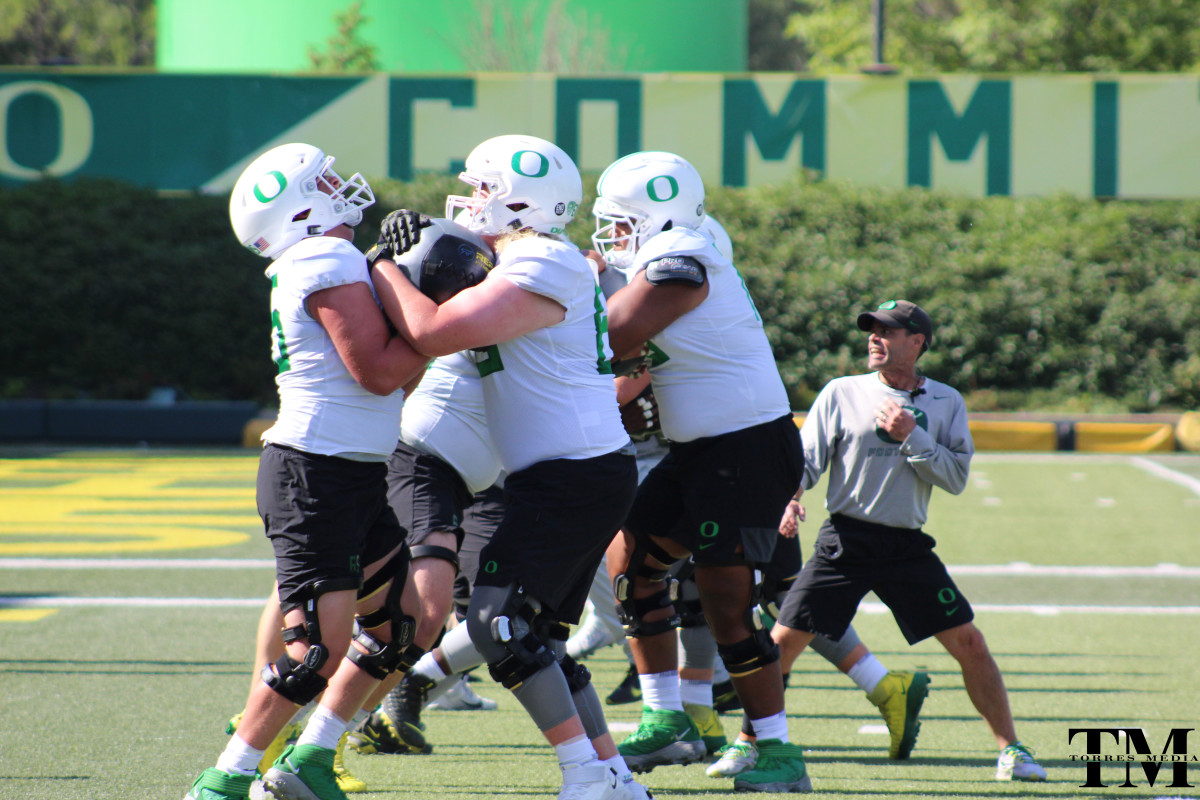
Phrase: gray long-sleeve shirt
{"type": "Point", "coordinates": [871, 476]}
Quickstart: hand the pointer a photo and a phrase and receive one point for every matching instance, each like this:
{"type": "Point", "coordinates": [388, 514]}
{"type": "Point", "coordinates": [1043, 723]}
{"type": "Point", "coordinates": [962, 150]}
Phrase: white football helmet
{"type": "Point", "coordinates": [520, 182]}
{"type": "Point", "coordinates": [290, 193]}
{"type": "Point", "coordinates": [640, 196]}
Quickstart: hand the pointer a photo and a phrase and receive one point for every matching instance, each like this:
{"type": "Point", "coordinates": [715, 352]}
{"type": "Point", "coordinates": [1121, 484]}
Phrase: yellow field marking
{"type": "Point", "coordinates": [25, 614]}
{"type": "Point", "coordinates": [81, 506]}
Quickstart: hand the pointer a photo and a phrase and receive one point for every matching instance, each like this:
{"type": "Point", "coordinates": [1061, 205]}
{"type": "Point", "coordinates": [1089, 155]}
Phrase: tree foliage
{"type": "Point", "coordinates": [84, 32]}
{"type": "Point", "coordinates": [986, 36]}
{"type": "Point", "coordinates": [346, 50]}
{"type": "Point", "coordinates": [541, 38]}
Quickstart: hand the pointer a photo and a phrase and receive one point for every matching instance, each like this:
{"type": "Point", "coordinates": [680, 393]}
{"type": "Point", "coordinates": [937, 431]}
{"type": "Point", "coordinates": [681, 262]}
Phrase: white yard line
{"type": "Point", "coordinates": [256, 602]}
{"type": "Point", "coordinates": [1016, 568]}
{"type": "Point", "coordinates": [1167, 474]}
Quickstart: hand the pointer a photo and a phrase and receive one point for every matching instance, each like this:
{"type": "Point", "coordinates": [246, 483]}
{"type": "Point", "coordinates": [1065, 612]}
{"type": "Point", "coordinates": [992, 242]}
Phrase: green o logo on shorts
{"type": "Point", "coordinates": [709, 529]}
{"type": "Point", "coordinates": [491, 567]}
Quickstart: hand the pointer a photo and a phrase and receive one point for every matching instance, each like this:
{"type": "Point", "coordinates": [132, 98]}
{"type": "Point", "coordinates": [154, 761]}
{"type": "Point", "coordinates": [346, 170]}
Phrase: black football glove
{"type": "Point", "coordinates": [400, 230]}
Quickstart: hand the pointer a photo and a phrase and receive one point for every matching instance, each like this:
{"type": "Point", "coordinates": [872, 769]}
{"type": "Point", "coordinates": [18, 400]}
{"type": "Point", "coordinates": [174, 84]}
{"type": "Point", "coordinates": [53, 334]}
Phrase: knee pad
{"type": "Point", "coordinates": [514, 628]}
{"type": "Point", "coordinates": [301, 681]}
{"type": "Point", "coordinates": [382, 658]}
{"type": "Point", "coordinates": [749, 655]}
{"type": "Point", "coordinates": [632, 611]}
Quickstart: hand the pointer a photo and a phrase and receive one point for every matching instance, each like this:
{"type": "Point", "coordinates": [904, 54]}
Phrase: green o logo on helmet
{"type": "Point", "coordinates": [543, 164]}
{"type": "Point", "coordinates": [653, 184]}
{"type": "Point", "coordinates": [280, 185]}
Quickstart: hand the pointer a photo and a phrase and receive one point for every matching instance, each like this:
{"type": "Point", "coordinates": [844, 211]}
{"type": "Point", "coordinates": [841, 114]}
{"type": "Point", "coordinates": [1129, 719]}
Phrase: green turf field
{"type": "Point", "coordinates": [131, 581]}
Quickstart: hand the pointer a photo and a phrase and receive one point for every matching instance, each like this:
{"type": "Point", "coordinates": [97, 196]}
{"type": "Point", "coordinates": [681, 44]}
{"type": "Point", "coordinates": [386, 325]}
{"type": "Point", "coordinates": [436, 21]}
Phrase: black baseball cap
{"type": "Point", "coordinates": [899, 314]}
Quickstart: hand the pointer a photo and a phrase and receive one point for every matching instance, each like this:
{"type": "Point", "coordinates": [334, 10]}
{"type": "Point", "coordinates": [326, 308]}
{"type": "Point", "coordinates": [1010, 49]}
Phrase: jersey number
{"type": "Point", "coordinates": [279, 351]}
{"type": "Point", "coordinates": [488, 359]}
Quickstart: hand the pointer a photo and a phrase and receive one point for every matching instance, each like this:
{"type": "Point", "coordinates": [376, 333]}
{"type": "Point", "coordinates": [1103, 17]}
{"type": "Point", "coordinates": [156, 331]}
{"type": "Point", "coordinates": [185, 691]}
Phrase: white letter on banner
{"type": "Point", "coordinates": [75, 132]}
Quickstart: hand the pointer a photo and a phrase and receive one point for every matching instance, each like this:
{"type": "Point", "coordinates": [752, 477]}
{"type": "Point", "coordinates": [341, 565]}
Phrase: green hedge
{"type": "Point", "coordinates": [1039, 303]}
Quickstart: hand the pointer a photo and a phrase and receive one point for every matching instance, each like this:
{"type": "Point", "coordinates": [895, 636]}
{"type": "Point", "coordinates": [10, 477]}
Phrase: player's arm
{"type": "Point", "coordinates": [495, 310]}
{"type": "Point", "coordinates": [658, 295]}
{"type": "Point", "coordinates": [380, 362]}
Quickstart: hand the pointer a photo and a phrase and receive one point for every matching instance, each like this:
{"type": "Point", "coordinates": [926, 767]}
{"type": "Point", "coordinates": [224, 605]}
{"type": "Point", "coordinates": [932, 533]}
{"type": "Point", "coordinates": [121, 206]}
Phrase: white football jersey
{"type": "Point", "coordinates": [322, 409]}
{"type": "Point", "coordinates": [444, 416]}
{"type": "Point", "coordinates": [549, 394]}
{"type": "Point", "coordinates": [712, 370]}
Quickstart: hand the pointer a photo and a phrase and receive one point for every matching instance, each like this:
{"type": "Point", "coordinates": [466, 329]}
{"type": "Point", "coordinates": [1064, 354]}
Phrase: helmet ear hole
{"type": "Point", "coordinates": [668, 226]}
{"type": "Point", "coordinates": [302, 215]}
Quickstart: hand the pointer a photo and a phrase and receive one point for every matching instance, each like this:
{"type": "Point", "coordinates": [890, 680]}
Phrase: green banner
{"type": "Point", "coordinates": [1105, 136]}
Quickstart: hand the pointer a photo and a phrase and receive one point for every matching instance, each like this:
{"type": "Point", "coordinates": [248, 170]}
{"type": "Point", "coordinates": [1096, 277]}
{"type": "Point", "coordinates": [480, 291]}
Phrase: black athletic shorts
{"type": "Point", "coordinates": [326, 517]}
{"type": "Point", "coordinates": [850, 558]}
{"type": "Point", "coordinates": [480, 521]}
{"type": "Point", "coordinates": [560, 517]}
{"type": "Point", "coordinates": [718, 493]}
{"type": "Point", "coordinates": [427, 494]}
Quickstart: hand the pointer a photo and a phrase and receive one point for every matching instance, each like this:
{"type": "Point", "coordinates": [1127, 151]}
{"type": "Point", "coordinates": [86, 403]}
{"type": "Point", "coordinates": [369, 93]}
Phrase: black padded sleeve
{"type": "Point", "coordinates": [675, 269]}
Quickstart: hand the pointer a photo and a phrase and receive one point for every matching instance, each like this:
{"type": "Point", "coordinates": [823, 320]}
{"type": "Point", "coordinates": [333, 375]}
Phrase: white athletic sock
{"type": "Point", "coordinates": [239, 758]}
{"type": "Point", "coordinates": [772, 727]}
{"type": "Point", "coordinates": [577, 750]}
{"type": "Point", "coordinates": [660, 691]}
{"type": "Point", "coordinates": [324, 728]}
{"type": "Point", "coordinates": [696, 693]}
{"type": "Point", "coordinates": [867, 673]}
{"type": "Point", "coordinates": [619, 766]}
{"type": "Point", "coordinates": [429, 667]}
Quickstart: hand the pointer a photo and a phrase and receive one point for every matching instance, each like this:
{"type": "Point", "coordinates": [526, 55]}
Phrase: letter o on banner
{"type": "Point", "coordinates": [76, 132]}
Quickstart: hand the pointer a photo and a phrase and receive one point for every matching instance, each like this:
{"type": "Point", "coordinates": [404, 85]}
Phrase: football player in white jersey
{"type": "Point", "coordinates": [340, 554]}
{"type": "Point", "coordinates": [733, 463]}
{"type": "Point", "coordinates": [537, 325]}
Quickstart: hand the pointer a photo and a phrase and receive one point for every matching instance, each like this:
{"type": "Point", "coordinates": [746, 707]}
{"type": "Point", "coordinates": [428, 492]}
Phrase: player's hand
{"type": "Point", "coordinates": [793, 515]}
{"type": "Point", "coordinates": [400, 230]}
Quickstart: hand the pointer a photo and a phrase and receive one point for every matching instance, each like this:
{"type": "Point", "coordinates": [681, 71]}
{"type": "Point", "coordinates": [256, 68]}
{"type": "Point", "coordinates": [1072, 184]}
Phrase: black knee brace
{"type": "Point", "coordinates": [750, 654]}
{"type": "Point", "coordinates": [301, 681]}
{"type": "Point", "coordinates": [382, 658]}
{"type": "Point", "coordinates": [435, 551]}
{"type": "Point", "coordinates": [528, 650]}
{"type": "Point", "coordinates": [578, 676]}
{"type": "Point", "coordinates": [632, 611]}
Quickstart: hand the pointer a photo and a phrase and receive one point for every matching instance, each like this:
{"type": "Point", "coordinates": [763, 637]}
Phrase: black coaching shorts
{"type": "Point", "coordinates": [326, 517]}
{"type": "Point", "coordinates": [719, 495]}
{"type": "Point", "coordinates": [850, 558]}
{"type": "Point", "coordinates": [427, 494]}
{"type": "Point", "coordinates": [560, 516]}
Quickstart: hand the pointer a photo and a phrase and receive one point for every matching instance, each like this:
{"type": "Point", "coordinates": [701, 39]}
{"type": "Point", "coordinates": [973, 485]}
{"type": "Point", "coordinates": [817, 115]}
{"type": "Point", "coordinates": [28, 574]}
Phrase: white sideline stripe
{"type": "Point", "coordinates": [35, 601]}
{"type": "Point", "coordinates": [998, 570]}
{"type": "Point", "coordinates": [136, 602]}
{"type": "Point", "coordinates": [1158, 470]}
{"type": "Point", "coordinates": [874, 730]}
{"type": "Point", "coordinates": [1055, 610]}
{"type": "Point", "coordinates": [1022, 568]}
{"type": "Point", "coordinates": [136, 563]}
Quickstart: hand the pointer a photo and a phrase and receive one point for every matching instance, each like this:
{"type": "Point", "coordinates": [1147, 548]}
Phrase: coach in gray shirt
{"type": "Point", "coordinates": [887, 438]}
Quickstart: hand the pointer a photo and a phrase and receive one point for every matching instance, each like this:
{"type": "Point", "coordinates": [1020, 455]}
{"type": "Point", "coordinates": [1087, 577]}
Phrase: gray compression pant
{"type": "Point", "coordinates": [545, 695]}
